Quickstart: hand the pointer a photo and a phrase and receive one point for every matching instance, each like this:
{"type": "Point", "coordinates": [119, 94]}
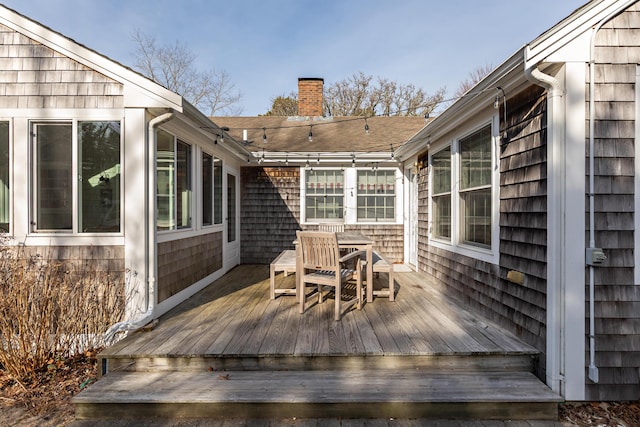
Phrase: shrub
{"type": "Point", "coordinates": [48, 311]}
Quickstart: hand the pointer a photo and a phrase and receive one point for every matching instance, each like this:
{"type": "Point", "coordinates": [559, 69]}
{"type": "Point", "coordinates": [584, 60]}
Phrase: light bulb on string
{"type": "Point", "coordinates": [310, 133]}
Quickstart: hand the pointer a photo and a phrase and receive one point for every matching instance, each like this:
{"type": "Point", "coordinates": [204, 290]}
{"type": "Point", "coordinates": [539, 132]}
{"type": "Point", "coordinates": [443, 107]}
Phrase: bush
{"type": "Point", "coordinates": [49, 312]}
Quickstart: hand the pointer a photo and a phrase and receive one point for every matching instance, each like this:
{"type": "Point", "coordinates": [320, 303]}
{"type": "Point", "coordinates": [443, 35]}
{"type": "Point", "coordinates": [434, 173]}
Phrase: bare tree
{"type": "Point", "coordinates": [173, 66]}
{"type": "Point", "coordinates": [472, 79]}
{"type": "Point", "coordinates": [284, 105]}
{"type": "Point", "coordinates": [361, 95]}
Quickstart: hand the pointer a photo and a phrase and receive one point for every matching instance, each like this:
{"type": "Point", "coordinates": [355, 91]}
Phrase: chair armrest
{"type": "Point", "coordinates": [353, 254]}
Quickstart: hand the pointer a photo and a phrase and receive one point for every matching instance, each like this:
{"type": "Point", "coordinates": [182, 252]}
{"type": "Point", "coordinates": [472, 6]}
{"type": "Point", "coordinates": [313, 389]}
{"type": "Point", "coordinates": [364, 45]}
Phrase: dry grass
{"type": "Point", "coordinates": [49, 313]}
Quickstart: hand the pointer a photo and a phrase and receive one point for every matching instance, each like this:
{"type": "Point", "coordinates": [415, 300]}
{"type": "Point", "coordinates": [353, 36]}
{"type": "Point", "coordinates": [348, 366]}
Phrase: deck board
{"type": "Point", "coordinates": [234, 316]}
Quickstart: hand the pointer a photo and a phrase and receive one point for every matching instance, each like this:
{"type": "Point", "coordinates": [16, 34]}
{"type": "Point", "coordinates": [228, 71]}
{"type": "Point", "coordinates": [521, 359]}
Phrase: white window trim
{"type": "Point", "coordinates": [350, 215]}
{"type": "Point", "coordinates": [455, 245]}
{"type": "Point", "coordinates": [34, 234]}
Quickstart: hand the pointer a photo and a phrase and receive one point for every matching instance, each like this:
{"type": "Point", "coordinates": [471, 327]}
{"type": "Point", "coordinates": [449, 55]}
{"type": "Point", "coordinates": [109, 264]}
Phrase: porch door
{"type": "Point", "coordinates": [232, 214]}
{"type": "Point", "coordinates": [412, 226]}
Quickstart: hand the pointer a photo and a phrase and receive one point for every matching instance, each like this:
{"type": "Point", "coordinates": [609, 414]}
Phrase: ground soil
{"type": "Point", "coordinates": [45, 401]}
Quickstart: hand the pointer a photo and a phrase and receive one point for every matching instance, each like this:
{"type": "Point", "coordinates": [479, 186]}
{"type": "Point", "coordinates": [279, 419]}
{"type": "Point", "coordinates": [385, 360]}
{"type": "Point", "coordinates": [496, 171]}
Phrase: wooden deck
{"type": "Point", "coordinates": [235, 317]}
{"type": "Point", "coordinates": [232, 350]}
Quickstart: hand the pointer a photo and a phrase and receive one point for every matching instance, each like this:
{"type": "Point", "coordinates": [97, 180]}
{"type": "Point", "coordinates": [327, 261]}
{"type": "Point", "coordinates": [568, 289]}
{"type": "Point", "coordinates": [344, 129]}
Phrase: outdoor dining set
{"type": "Point", "coordinates": [334, 260]}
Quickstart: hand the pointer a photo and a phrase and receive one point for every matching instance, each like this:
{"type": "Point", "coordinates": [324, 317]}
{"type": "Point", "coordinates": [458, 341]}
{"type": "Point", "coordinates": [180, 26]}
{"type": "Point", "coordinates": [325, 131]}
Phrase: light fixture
{"type": "Point", "coordinates": [366, 126]}
{"type": "Point", "coordinates": [310, 133]}
{"type": "Point", "coordinates": [353, 161]}
{"type": "Point", "coordinates": [222, 131]}
{"type": "Point", "coordinates": [393, 156]}
{"type": "Point", "coordinates": [264, 135]}
{"type": "Point", "coordinates": [496, 105]}
{"type": "Point", "coordinates": [286, 161]}
{"type": "Point", "coordinates": [426, 117]}
{"type": "Point", "coordinates": [215, 142]}
{"type": "Point", "coordinates": [306, 166]}
{"type": "Point", "coordinates": [318, 161]}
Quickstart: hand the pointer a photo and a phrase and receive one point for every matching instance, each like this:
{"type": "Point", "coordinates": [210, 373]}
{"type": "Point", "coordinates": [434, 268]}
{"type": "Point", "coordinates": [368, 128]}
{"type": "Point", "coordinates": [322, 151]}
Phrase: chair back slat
{"type": "Point", "coordinates": [319, 250]}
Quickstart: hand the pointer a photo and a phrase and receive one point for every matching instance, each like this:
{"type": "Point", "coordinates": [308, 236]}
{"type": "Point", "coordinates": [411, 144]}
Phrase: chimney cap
{"type": "Point", "coordinates": [311, 78]}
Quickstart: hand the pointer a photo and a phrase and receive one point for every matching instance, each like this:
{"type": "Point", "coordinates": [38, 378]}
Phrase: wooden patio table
{"type": "Point", "coordinates": [346, 240]}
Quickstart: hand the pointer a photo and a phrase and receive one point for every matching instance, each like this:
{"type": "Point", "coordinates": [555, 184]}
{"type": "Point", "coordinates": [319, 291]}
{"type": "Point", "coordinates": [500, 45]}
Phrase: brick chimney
{"type": "Point", "coordinates": [310, 96]}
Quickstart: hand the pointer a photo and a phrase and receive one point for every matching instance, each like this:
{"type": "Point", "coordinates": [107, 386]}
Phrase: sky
{"type": "Point", "coordinates": [266, 45]}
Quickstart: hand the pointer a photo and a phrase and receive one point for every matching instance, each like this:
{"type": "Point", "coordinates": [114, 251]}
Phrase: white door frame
{"type": "Point", "coordinates": [231, 249]}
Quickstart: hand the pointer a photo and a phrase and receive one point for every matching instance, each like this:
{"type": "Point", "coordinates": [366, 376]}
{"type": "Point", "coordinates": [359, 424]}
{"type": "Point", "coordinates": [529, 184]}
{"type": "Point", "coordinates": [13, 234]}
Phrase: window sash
{"type": "Point", "coordinates": [475, 159]}
{"type": "Point", "coordinates": [476, 217]}
{"type": "Point", "coordinates": [324, 198]}
{"type": "Point", "coordinates": [441, 165]}
{"type": "Point", "coordinates": [99, 191]}
{"type": "Point", "coordinates": [53, 170]}
{"type": "Point", "coordinates": [376, 195]}
{"type": "Point", "coordinates": [211, 190]}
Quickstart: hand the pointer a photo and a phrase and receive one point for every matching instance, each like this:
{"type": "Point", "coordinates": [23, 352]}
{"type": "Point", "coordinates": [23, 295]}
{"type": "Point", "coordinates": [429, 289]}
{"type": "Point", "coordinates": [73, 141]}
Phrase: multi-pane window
{"type": "Point", "coordinates": [463, 211]}
{"type": "Point", "coordinates": [376, 195]}
{"type": "Point", "coordinates": [4, 177]}
{"type": "Point", "coordinates": [174, 188]}
{"type": "Point", "coordinates": [475, 188]}
{"type": "Point", "coordinates": [211, 190]}
{"type": "Point", "coordinates": [98, 192]}
{"type": "Point", "coordinates": [324, 191]}
{"type": "Point", "coordinates": [441, 193]}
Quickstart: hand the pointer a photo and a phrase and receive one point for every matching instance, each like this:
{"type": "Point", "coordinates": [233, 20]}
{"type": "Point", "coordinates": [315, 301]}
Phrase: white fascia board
{"type": "Point", "coordinates": [91, 59]}
{"type": "Point", "coordinates": [558, 43]}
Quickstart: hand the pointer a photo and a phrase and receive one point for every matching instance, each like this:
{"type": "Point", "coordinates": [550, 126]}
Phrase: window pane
{"type": "Point", "coordinates": [441, 163]}
{"type": "Point", "coordinates": [476, 214]}
{"type": "Point", "coordinates": [54, 204]}
{"type": "Point", "coordinates": [217, 191]}
{"type": "Point", "coordinates": [442, 217]}
{"type": "Point", "coordinates": [376, 195]}
{"type": "Point", "coordinates": [183, 185]}
{"type": "Point", "coordinates": [4, 177]}
{"type": "Point", "coordinates": [99, 195]}
{"type": "Point", "coordinates": [166, 199]}
{"type": "Point", "coordinates": [207, 189]}
{"type": "Point", "coordinates": [475, 159]}
{"type": "Point", "coordinates": [325, 194]}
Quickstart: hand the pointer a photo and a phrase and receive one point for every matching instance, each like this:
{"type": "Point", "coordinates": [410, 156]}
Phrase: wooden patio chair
{"type": "Point", "coordinates": [322, 266]}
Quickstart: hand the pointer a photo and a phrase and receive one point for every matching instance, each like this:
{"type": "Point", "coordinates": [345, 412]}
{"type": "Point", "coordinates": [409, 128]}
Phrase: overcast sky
{"type": "Point", "coordinates": [265, 45]}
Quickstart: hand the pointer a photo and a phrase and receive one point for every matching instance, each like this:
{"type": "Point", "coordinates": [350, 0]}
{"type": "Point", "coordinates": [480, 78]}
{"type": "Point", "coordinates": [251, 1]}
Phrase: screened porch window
{"type": "Point", "coordinates": [98, 192]}
{"type": "Point", "coordinates": [4, 177]}
{"type": "Point", "coordinates": [376, 195]}
{"type": "Point", "coordinates": [211, 190]}
{"type": "Point", "coordinates": [324, 195]}
{"type": "Point", "coordinates": [174, 189]}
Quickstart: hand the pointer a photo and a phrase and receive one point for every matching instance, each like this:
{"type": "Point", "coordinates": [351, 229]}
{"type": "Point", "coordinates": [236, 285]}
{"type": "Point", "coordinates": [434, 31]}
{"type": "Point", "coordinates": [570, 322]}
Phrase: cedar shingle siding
{"type": "Point", "coordinates": [34, 76]}
{"type": "Point", "coordinates": [270, 216]}
{"type": "Point", "coordinates": [183, 262]}
{"type": "Point", "coordinates": [523, 221]}
{"type": "Point", "coordinates": [617, 297]}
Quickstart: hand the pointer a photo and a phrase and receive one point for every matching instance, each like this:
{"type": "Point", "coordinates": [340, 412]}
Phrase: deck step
{"type": "Point", "coordinates": [406, 393]}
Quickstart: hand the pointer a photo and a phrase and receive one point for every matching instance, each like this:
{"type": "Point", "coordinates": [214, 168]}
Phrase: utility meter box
{"type": "Point", "coordinates": [595, 256]}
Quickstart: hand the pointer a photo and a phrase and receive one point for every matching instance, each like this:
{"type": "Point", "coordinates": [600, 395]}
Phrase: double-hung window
{"type": "Point", "coordinates": [4, 177]}
{"type": "Point", "coordinates": [324, 191]}
{"type": "Point", "coordinates": [441, 194]}
{"type": "Point", "coordinates": [376, 195]}
{"type": "Point", "coordinates": [461, 192]}
{"type": "Point", "coordinates": [211, 190]}
{"type": "Point", "coordinates": [89, 150]}
{"type": "Point", "coordinates": [174, 184]}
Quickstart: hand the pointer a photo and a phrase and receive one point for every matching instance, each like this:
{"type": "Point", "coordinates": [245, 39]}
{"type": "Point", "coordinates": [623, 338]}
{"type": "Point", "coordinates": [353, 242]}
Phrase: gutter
{"type": "Point", "coordinates": [556, 271]}
{"type": "Point", "coordinates": [151, 241]}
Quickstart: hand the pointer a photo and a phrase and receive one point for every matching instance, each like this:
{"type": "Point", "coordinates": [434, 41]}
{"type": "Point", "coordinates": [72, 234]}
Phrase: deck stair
{"type": "Point", "coordinates": [146, 376]}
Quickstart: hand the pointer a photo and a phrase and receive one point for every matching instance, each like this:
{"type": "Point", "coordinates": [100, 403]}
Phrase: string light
{"type": "Point", "coordinates": [264, 135]}
{"type": "Point", "coordinates": [393, 156]}
{"type": "Point", "coordinates": [310, 133]}
{"type": "Point", "coordinates": [366, 126]}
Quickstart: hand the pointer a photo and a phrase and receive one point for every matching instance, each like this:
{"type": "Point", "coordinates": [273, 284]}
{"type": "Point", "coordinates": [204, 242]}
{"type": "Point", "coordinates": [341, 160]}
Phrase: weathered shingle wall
{"type": "Point", "coordinates": [183, 262]}
{"type": "Point", "coordinates": [482, 286]}
{"type": "Point", "coordinates": [34, 76]}
{"type": "Point", "coordinates": [617, 297]}
{"type": "Point", "coordinates": [270, 216]}
{"type": "Point", "coordinates": [270, 212]}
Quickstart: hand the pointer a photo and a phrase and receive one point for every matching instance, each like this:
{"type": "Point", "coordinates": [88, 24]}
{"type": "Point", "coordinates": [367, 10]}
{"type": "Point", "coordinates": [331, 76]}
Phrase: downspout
{"type": "Point", "coordinates": [150, 253]}
{"type": "Point", "coordinates": [555, 314]}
